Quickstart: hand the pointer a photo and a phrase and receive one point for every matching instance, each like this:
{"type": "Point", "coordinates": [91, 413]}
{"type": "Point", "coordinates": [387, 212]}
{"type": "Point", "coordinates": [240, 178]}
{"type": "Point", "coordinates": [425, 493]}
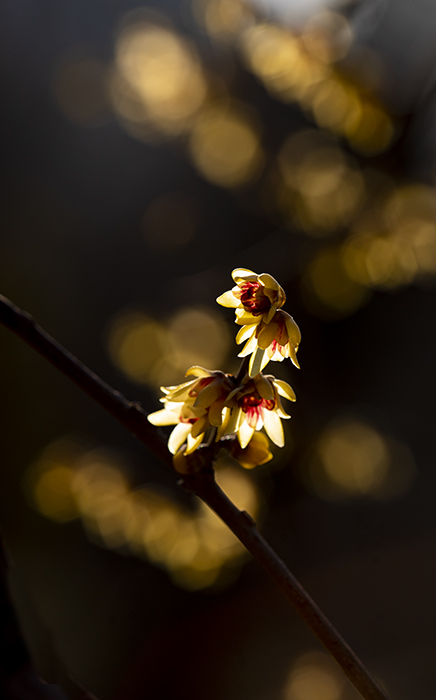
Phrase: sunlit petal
{"type": "Point", "coordinates": [268, 281]}
{"type": "Point", "coordinates": [193, 443]}
{"type": "Point", "coordinates": [244, 318]}
{"type": "Point", "coordinates": [222, 428]}
{"type": "Point", "coordinates": [293, 355]}
{"type": "Point", "coordinates": [228, 299]}
{"type": "Point", "coordinates": [249, 347]}
{"type": "Point", "coordinates": [178, 437]}
{"type": "Point", "coordinates": [164, 417]}
{"type": "Point", "coordinates": [244, 333]}
{"type": "Point", "coordinates": [198, 371]}
{"type": "Point", "coordinates": [241, 274]}
{"type": "Point", "coordinates": [285, 389]}
{"type": "Point", "coordinates": [256, 361]}
{"type": "Point", "coordinates": [293, 331]}
{"type": "Point", "coordinates": [267, 335]}
{"type": "Point", "coordinates": [273, 427]}
{"type": "Point", "coordinates": [245, 433]}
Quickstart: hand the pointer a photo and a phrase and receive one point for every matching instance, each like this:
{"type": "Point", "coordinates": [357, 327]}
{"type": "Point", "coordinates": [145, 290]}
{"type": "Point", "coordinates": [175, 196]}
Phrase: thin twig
{"type": "Point", "coordinates": [242, 525]}
{"type": "Point", "coordinates": [203, 485]}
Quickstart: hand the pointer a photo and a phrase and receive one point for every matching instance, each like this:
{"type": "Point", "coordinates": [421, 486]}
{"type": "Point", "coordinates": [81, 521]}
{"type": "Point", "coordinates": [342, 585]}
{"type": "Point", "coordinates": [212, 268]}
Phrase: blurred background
{"type": "Point", "coordinates": [149, 149]}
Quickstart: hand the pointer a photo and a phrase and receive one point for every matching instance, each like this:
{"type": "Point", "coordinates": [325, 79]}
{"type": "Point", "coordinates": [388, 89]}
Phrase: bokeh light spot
{"type": "Point", "coordinates": [136, 343]}
{"type": "Point", "coordinates": [225, 146]}
{"type": "Point", "coordinates": [157, 354]}
{"type": "Point", "coordinates": [52, 492]}
{"type": "Point", "coordinates": [327, 36]}
{"type": "Point", "coordinates": [354, 459]}
{"type": "Point", "coordinates": [279, 59]}
{"type": "Point", "coordinates": [328, 290]}
{"type": "Point", "coordinates": [197, 336]}
{"type": "Point", "coordinates": [158, 80]}
{"type": "Point", "coordinates": [221, 19]}
{"type": "Point", "coordinates": [314, 677]}
{"type": "Point", "coordinates": [322, 189]}
{"type": "Point", "coordinates": [194, 546]}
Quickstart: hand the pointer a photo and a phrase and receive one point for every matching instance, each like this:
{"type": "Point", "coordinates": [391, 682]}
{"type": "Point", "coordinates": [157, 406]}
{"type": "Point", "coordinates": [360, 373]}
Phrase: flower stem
{"type": "Point", "coordinates": [202, 484]}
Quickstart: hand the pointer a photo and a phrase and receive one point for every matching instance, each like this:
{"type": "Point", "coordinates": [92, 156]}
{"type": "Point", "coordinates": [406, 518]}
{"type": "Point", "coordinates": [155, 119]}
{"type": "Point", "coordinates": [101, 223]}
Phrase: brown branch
{"type": "Point", "coordinates": [202, 483]}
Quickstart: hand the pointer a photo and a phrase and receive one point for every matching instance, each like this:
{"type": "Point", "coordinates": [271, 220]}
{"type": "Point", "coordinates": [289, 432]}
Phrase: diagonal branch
{"type": "Point", "coordinates": [203, 485]}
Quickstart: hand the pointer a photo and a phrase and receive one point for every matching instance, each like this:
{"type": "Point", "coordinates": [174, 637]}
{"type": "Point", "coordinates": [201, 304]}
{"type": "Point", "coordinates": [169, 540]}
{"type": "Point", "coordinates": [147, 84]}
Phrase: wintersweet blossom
{"type": "Point", "coordinates": [256, 453]}
{"type": "Point", "coordinates": [194, 407]}
{"type": "Point", "coordinates": [275, 341]}
{"type": "Point", "coordinates": [269, 332]}
{"type": "Point", "coordinates": [258, 406]}
{"type": "Point", "coordinates": [255, 298]}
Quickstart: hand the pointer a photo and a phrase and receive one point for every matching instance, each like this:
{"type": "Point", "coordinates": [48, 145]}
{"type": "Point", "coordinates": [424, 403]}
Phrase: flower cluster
{"type": "Point", "coordinates": [269, 332]}
{"type": "Point", "coordinates": [212, 399]}
{"type": "Point", "coordinates": [194, 407]}
{"type": "Point", "coordinates": [231, 406]}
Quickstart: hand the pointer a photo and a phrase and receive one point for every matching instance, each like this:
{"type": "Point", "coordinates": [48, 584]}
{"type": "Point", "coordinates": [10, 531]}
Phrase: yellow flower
{"type": "Point", "coordinates": [255, 298]}
{"type": "Point", "coordinates": [258, 406]}
{"type": "Point", "coordinates": [275, 340]}
{"type": "Point", "coordinates": [256, 453]}
{"type": "Point", "coordinates": [270, 334]}
{"type": "Point", "coordinates": [194, 407]}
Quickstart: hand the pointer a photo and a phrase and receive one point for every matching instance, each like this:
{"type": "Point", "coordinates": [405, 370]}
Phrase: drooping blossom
{"type": "Point", "coordinates": [275, 341]}
{"type": "Point", "coordinates": [258, 405]}
{"type": "Point", "coordinates": [269, 332]}
{"type": "Point", "coordinates": [255, 298]}
{"type": "Point", "coordinates": [256, 453]}
{"type": "Point", "coordinates": [194, 407]}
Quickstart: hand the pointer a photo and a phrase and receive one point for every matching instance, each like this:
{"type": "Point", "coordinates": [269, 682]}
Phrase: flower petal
{"type": "Point", "coordinates": [198, 371]}
{"type": "Point", "coordinates": [222, 429]}
{"type": "Point", "coordinates": [256, 362]}
{"type": "Point", "coordinates": [292, 354]}
{"type": "Point", "coordinates": [249, 347]}
{"type": "Point", "coordinates": [215, 412]}
{"type": "Point", "coordinates": [270, 315]}
{"type": "Point", "coordinates": [228, 299]}
{"type": "Point", "coordinates": [245, 433]}
{"type": "Point", "coordinates": [234, 421]}
{"type": "Point", "coordinates": [241, 274]}
{"type": "Point", "coordinates": [264, 387]}
{"type": "Point", "coordinates": [293, 330]}
{"type": "Point", "coordinates": [181, 393]}
{"type": "Point", "coordinates": [245, 332]}
{"type": "Point", "coordinates": [200, 426]}
{"type": "Point", "coordinates": [209, 394]}
{"type": "Point", "coordinates": [257, 452]}
{"type": "Point", "coordinates": [193, 443]}
{"type": "Point", "coordinates": [178, 436]}
{"type": "Point", "coordinates": [267, 334]}
{"type": "Point", "coordinates": [164, 417]}
{"type": "Point", "coordinates": [273, 427]}
{"type": "Point", "coordinates": [285, 389]}
{"type": "Point", "coordinates": [268, 281]}
{"type": "Point", "coordinates": [244, 318]}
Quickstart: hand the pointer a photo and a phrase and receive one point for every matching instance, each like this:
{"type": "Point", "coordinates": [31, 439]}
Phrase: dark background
{"type": "Point", "coordinates": [102, 218]}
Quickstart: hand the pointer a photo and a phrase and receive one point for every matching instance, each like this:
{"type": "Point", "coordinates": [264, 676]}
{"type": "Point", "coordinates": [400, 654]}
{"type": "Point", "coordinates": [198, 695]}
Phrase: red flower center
{"type": "Point", "coordinates": [252, 406]}
{"type": "Point", "coordinates": [254, 299]}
